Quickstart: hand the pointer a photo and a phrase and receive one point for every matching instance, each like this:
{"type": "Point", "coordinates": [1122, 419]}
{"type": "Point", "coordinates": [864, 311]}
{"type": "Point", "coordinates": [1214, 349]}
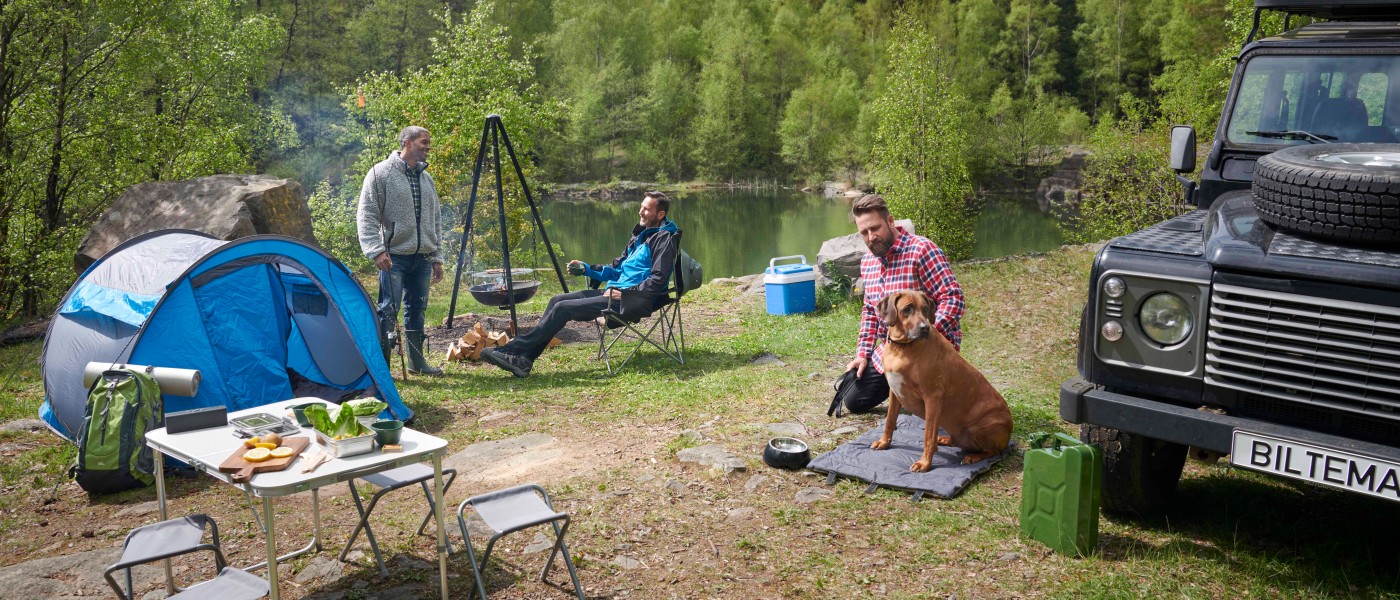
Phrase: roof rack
{"type": "Point", "coordinates": [1332, 10]}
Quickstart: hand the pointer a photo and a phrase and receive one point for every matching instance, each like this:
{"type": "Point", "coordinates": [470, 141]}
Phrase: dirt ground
{"type": "Point", "coordinates": [643, 522]}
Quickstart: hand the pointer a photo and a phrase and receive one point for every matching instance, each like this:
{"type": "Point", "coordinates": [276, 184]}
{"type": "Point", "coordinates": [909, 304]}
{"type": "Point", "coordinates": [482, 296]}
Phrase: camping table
{"type": "Point", "coordinates": [206, 449]}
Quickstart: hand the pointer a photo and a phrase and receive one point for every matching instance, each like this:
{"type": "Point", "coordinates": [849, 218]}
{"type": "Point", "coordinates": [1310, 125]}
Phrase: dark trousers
{"type": "Point", "coordinates": [583, 305]}
{"type": "Point", "coordinates": [407, 282]}
{"type": "Point", "coordinates": [870, 390]}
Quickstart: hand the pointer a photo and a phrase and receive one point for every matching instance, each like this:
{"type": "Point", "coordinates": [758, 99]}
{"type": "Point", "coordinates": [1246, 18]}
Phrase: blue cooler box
{"type": "Point", "coordinates": [791, 289]}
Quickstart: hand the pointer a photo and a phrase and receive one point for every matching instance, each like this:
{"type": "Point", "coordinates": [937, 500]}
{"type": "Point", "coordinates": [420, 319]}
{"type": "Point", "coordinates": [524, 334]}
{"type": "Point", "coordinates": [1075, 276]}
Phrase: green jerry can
{"type": "Point", "coordinates": [1060, 493]}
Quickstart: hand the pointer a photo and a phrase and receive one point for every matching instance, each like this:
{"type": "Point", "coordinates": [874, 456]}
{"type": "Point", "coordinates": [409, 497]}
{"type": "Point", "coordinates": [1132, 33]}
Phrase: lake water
{"type": "Point", "coordinates": [736, 233]}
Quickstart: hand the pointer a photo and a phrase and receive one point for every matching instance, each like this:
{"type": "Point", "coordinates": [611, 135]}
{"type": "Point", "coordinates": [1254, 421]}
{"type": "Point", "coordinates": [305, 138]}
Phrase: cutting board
{"type": "Point", "coordinates": [244, 470]}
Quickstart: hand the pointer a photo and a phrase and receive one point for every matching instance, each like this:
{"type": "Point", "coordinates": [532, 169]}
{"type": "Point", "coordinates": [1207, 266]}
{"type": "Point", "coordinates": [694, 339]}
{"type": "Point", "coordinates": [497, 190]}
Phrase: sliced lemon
{"type": "Point", "coordinates": [268, 445]}
{"type": "Point", "coordinates": [251, 442]}
{"type": "Point", "coordinates": [257, 455]}
{"type": "Point", "coordinates": [282, 452]}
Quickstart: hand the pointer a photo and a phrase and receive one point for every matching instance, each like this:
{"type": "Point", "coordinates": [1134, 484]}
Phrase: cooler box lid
{"type": "Point", "coordinates": [789, 274]}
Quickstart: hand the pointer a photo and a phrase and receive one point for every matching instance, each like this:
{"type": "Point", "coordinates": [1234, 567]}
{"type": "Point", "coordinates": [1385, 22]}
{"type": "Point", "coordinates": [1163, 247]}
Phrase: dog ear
{"type": "Point", "coordinates": [886, 307]}
{"type": "Point", "coordinates": [928, 308]}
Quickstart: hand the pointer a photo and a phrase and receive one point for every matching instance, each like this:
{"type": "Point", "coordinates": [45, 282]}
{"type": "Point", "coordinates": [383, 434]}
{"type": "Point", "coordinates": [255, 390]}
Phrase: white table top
{"type": "Point", "coordinates": [206, 449]}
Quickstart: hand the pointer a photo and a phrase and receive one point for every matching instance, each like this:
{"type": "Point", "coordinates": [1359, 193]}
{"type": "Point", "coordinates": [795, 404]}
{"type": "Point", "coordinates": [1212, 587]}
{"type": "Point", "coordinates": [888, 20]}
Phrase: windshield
{"type": "Point", "coordinates": [1290, 100]}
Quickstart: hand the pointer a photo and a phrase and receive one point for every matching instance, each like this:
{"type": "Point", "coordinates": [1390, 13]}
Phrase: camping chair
{"type": "Point", "coordinates": [388, 481]}
{"type": "Point", "coordinates": [665, 331]}
{"type": "Point", "coordinates": [510, 510]}
{"type": "Point", "coordinates": [184, 535]}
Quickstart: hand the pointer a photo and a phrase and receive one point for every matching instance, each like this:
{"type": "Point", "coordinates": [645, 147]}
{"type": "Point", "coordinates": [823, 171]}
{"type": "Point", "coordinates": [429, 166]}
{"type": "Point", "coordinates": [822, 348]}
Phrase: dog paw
{"type": "Point", "coordinates": [972, 458]}
{"type": "Point", "coordinates": [944, 440]}
{"type": "Point", "coordinates": [921, 466]}
{"type": "Point", "coordinates": [880, 445]}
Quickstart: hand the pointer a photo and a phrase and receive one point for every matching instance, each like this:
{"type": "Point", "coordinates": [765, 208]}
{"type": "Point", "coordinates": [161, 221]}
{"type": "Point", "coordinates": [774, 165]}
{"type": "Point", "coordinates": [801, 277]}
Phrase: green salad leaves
{"type": "Point", "coordinates": [365, 407]}
{"type": "Point", "coordinates": [342, 426]}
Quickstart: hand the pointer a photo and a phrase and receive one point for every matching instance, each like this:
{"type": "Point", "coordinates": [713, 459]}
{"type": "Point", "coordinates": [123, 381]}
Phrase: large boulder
{"type": "Point", "coordinates": [227, 207]}
{"type": "Point", "coordinates": [1059, 194]}
{"type": "Point", "coordinates": [842, 255]}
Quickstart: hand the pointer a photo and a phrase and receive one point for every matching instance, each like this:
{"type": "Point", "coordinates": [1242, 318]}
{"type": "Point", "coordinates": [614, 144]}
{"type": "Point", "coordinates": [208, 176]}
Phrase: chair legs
{"type": "Point", "coordinates": [365, 511]}
{"type": "Point", "coordinates": [666, 327]}
{"type": "Point", "coordinates": [518, 508]}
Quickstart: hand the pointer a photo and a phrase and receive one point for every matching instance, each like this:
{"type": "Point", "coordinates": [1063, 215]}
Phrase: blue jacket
{"type": "Point", "coordinates": [646, 263]}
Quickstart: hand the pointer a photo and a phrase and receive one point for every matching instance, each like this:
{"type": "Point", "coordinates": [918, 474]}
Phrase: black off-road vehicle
{"type": "Point", "coordinates": [1265, 324]}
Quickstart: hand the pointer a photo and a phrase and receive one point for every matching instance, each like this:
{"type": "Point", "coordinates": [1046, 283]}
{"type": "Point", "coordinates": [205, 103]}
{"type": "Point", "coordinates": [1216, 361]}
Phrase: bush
{"type": "Point", "coordinates": [333, 222]}
{"type": "Point", "coordinates": [1128, 184]}
{"type": "Point", "coordinates": [836, 292]}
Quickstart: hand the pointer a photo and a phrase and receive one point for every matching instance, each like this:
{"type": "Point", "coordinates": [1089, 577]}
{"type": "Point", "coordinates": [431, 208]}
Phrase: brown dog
{"type": "Point", "coordinates": [932, 381]}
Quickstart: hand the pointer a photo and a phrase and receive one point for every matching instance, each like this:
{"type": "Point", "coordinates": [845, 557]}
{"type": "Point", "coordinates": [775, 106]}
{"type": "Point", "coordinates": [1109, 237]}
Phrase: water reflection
{"type": "Point", "coordinates": [736, 233]}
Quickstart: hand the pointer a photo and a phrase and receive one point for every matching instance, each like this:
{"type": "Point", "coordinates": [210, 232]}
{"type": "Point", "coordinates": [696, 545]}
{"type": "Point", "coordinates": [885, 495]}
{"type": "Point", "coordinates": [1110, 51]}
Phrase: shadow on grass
{"type": "Point", "coordinates": [1294, 536]}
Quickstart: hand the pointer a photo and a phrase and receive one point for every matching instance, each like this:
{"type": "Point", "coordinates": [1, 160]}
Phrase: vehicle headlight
{"type": "Point", "coordinates": [1165, 318]}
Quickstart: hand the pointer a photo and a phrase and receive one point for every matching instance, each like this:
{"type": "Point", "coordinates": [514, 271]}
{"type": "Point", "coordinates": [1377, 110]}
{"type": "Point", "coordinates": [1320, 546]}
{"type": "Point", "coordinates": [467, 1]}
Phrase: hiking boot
{"type": "Point", "coordinates": [518, 366]}
{"type": "Point", "coordinates": [417, 363]}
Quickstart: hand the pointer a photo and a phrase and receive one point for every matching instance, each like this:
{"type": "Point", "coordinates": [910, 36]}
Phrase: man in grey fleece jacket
{"type": "Point", "coordinates": [398, 221]}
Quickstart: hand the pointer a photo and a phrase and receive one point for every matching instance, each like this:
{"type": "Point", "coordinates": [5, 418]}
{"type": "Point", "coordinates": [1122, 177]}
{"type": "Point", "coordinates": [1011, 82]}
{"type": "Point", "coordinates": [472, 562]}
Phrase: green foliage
{"type": "Point", "coordinates": [1016, 133]}
{"type": "Point", "coordinates": [1117, 53]}
{"type": "Point", "coordinates": [815, 125]}
{"type": "Point", "coordinates": [1128, 184]}
{"type": "Point", "coordinates": [98, 96]}
{"type": "Point", "coordinates": [837, 292]}
{"type": "Point", "coordinates": [1028, 43]}
{"type": "Point", "coordinates": [333, 223]}
{"type": "Point", "coordinates": [730, 138]}
{"type": "Point", "coordinates": [920, 146]}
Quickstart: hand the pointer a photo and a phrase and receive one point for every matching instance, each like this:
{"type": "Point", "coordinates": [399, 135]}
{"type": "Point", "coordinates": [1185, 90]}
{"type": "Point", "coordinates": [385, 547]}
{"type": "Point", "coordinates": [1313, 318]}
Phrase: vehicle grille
{"type": "Point", "coordinates": [1319, 352]}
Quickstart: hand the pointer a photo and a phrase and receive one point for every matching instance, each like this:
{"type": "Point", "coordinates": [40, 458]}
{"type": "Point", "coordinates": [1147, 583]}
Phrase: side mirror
{"type": "Point", "coordinates": [1183, 157]}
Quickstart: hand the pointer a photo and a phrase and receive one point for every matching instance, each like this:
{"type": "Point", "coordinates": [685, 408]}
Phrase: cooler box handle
{"type": "Point", "coordinates": [771, 262]}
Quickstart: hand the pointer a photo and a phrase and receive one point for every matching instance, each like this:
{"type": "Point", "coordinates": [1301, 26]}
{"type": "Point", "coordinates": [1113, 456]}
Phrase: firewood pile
{"type": "Point", "coordinates": [470, 345]}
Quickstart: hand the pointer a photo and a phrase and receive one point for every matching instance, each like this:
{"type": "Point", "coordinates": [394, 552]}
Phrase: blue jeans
{"type": "Point", "coordinates": [408, 281]}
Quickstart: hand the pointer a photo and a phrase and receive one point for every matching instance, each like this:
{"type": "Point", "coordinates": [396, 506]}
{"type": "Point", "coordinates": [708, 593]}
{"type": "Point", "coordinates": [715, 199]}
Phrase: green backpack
{"type": "Point", "coordinates": [123, 404]}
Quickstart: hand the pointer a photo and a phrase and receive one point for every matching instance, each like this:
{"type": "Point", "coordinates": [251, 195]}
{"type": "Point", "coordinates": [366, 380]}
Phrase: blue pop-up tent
{"type": "Point", "coordinates": [251, 315]}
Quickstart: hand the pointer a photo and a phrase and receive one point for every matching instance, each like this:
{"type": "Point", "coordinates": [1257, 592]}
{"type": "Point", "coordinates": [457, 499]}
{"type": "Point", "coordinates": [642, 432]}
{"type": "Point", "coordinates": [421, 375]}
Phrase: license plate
{"type": "Point", "coordinates": [1316, 464]}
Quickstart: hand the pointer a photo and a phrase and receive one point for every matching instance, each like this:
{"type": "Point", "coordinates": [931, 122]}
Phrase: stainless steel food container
{"type": "Point", "coordinates": [346, 447]}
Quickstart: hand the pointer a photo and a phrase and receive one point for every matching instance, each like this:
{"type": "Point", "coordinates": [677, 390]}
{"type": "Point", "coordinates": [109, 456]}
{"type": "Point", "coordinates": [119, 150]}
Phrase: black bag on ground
{"type": "Point", "coordinates": [122, 405]}
{"type": "Point", "coordinates": [858, 394]}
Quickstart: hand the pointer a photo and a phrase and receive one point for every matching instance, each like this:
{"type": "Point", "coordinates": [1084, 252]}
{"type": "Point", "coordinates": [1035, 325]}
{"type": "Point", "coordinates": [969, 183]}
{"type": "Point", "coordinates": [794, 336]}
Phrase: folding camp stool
{"type": "Point", "coordinates": [388, 481]}
{"type": "Point", "coordinates": [514, 509]}
{"type": "Point", "coordinates": [184, 535]}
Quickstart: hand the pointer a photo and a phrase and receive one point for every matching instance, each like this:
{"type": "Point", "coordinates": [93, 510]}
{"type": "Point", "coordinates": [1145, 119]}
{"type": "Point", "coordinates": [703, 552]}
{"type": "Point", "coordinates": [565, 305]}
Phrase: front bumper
{"type": "Point", "coordinates": [1084, 402]}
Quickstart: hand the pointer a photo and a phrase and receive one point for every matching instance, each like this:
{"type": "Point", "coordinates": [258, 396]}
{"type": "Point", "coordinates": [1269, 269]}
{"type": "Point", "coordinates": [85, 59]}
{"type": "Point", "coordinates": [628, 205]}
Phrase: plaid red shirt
{"type": "Point", "coordinates": [913, 263]}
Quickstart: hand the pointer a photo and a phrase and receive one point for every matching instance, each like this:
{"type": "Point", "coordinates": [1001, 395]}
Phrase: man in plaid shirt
{"type": "Point", "coordinates": [898, 260]}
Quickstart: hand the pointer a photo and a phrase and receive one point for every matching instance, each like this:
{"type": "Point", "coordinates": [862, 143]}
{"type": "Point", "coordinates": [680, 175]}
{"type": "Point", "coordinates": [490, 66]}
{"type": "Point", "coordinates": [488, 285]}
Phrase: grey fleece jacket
{"type": "Point", "coordinates": [386, 212]}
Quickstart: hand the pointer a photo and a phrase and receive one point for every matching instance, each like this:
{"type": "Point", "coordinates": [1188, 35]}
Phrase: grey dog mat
{"type": "Point", "coordinates": [890, 468]}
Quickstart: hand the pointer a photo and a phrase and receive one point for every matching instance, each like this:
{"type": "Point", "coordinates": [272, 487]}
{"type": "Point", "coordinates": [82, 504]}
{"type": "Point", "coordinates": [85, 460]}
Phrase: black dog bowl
{"type": "Point", "coordinates": [786, 453]}
{"type": "Point", "coordinates": [494, 294]}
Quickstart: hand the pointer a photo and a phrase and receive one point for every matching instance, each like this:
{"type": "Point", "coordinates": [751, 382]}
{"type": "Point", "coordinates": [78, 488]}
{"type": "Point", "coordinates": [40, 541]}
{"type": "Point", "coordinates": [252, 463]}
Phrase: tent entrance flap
{"type": "Point", "coordinates": [323, 334]}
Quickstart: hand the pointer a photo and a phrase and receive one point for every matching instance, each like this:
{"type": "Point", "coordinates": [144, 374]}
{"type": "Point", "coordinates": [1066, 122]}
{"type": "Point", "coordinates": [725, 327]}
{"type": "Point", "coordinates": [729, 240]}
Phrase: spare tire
{"type": "Point", "coordinates": [1348, 192]}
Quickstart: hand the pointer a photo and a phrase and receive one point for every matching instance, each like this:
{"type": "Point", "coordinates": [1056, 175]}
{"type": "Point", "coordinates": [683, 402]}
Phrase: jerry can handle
{"type": "Point", "coordinates": [1056, 439]}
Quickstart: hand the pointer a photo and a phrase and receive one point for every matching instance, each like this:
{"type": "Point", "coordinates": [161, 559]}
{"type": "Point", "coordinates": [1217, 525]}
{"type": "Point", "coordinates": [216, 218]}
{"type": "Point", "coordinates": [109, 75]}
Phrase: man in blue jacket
{"type": "Point", "coordinates": [643, 269]}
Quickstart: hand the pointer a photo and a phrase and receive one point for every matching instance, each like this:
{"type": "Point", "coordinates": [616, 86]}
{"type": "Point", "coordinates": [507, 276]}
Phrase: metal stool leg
{"type": "Point", "coordinates": [364, 524]}
{"type": "Point", "coordinates": [471, 554]}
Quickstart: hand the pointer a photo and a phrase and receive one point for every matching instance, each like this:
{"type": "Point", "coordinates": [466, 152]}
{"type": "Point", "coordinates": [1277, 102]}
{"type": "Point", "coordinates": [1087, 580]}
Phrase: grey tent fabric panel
{"type": "Point", "coordinates": [331, 346]}
{"type": "Point", "coordinates": [147, 267]}
{"type": "Point", "coordinates": [70, 344]}
{"type": "Point", "coordinates": [890, 468]}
